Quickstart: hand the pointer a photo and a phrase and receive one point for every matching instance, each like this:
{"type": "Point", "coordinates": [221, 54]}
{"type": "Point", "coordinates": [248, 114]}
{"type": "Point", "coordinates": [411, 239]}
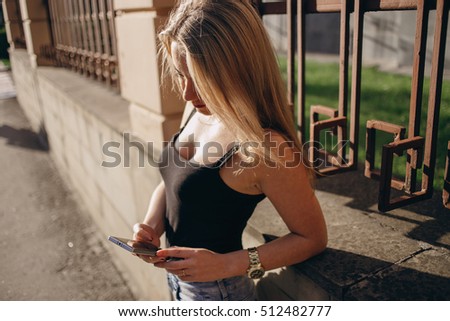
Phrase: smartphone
{"type": "Point", "coordinates": [141, 248]}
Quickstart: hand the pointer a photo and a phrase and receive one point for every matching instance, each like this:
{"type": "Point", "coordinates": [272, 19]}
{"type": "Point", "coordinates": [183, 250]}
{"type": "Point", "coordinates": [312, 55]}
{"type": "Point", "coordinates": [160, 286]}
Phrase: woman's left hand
{"type": "Point", "coordinates": [192, 264]}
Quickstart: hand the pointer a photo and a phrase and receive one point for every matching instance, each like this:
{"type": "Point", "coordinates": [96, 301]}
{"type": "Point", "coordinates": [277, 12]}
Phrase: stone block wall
{"type": "Point", "coordinates": [81, 117]}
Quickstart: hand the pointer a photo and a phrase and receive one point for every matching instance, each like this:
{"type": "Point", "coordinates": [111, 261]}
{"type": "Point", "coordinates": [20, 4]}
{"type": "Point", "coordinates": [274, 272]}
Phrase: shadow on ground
{"type": "Point", "coordinates": [58, 250]}
{"type": "Point", "coordinates": [356, 280]}
{"type": "Point", "coordinates": [431, 222]}
{"type": "Point", "coordinates": [21, 137]}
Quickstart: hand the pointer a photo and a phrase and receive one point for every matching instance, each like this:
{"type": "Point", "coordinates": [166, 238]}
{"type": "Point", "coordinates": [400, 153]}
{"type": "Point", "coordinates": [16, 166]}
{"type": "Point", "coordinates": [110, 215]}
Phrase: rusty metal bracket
{"type": "Point", "coordinates": [339, 162]}
{"type": "Point", "coordinates": [317, 110]}
{"type": "Point", "coordinates": [446, 189]}
{"type": "Point", "coordinates": [386, 182]}
{"type": "Point", "coordinates": [371, 127]}
{"type": "Point", "coordinates": [331, 162]}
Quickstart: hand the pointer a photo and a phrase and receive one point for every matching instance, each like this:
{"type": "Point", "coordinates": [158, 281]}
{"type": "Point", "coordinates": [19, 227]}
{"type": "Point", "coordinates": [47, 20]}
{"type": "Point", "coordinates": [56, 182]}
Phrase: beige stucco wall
{"type": "Point", "coordinates": [155, 110]}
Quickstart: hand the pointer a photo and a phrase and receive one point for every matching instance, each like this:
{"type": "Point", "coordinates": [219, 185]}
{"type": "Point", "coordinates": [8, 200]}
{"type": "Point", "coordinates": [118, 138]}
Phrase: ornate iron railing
{"type": "Point", "coordinates": [84, 38]}
{"type": "Point", "coordinates": [16, 22]}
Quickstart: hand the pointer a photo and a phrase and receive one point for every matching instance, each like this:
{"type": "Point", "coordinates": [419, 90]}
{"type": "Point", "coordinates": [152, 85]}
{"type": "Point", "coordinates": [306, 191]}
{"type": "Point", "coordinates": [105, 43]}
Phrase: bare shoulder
{"type": "Point", "coordinates": [286, 165]}
{"type": "Point", "coordinates": [282, 151]}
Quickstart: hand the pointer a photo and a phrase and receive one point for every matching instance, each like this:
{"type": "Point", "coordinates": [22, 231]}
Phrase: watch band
{"type": "Point", "coordinates": [255, 269]}
{"type": "Point", "coordinates": [253, 256]}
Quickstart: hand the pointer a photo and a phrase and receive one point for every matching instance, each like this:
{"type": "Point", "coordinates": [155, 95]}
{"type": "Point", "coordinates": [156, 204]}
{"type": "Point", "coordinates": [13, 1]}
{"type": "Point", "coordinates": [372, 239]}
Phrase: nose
{"type": "Point", "coordinates": [189, 92]}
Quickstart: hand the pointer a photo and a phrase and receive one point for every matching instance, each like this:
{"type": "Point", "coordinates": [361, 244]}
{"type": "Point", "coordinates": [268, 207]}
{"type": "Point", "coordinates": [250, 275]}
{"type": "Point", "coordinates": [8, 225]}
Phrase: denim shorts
{"type": "Point", "coordinates": [238, 288]}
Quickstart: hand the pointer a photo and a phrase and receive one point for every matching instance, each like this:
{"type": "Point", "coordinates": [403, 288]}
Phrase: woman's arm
{"type": "Point", "coordinates": [289, 189]}
{"type": "Point", "coordinates": [151, 229]}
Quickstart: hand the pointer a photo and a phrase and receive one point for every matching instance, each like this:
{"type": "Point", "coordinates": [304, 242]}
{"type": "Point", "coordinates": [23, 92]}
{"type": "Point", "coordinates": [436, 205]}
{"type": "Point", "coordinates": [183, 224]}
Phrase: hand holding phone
{"type": "Point", "coordinates": [135, 247]}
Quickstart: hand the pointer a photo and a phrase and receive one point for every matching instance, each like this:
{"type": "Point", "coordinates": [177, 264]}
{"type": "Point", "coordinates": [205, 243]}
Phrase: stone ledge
{"type": "Point", "coordinates": [105, 104]}
{"type": "Point", "coordinates": [372, 255]}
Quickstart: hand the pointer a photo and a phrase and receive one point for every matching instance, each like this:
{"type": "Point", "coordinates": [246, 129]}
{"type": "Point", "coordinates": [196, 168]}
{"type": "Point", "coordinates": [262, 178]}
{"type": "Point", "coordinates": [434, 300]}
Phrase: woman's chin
{"type": "Point", "coordinates": [203, 110]}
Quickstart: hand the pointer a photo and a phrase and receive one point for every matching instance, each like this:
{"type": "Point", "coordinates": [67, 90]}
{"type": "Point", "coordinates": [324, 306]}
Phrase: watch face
{"type": "Point", "coordinates": [256, 274]}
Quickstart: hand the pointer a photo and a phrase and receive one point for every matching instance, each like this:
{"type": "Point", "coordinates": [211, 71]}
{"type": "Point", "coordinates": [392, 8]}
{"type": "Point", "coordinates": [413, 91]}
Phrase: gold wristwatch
{"type": "Point", "coordinates": [255, 269]}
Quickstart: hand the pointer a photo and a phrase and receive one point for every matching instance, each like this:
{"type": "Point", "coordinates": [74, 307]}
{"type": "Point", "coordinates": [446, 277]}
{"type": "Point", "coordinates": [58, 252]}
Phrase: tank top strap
{"type": "Point", "coordinates": [227, 156]}
{"type": "Point", "coordinates": [188, 119]}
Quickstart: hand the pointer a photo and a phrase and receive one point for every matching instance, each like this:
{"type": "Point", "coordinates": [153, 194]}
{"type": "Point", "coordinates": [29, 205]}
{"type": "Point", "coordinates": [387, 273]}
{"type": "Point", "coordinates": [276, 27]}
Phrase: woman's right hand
{"type": "Point", "coordinates": [143, 233]}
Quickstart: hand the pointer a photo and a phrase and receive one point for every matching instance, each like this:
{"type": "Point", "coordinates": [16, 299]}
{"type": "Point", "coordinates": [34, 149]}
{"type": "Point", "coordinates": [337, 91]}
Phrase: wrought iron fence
{"type": "Point", "coordinates": [84, 38]}
{"type": "Point", "coordinates": [344, 120]}
{"type": "Point", "coordinates": [16, 22]}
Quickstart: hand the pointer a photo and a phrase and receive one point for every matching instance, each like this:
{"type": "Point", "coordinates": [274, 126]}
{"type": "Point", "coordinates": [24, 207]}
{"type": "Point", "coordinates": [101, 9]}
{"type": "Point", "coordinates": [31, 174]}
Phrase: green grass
{"type": "Point", "coordinates": [384, 96]}
{"type": "Point", "coordinates": [6, 62]}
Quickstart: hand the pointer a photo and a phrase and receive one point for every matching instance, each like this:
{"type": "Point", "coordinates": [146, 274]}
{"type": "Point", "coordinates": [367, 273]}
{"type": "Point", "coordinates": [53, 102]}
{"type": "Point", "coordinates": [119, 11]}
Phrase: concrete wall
{"type": "Point", "coordinates": [322, 32]}
{"type": "Point", "coordinates": [388, 37]}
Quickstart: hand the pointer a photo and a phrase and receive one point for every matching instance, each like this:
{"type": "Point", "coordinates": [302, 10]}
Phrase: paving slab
{"type": "Point", "coordinates": [425, 276]}
{"type": "Point", "coordinates": [390, 256]}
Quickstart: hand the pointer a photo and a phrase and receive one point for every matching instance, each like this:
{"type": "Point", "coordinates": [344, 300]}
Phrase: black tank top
{"type": "Point", "coordinates": [201, 210]}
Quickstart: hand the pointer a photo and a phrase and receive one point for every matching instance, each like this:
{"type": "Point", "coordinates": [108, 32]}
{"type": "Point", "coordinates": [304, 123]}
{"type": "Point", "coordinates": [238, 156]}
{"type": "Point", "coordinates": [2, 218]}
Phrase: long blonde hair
{"type": "Point", "coordinates": [233, 66]}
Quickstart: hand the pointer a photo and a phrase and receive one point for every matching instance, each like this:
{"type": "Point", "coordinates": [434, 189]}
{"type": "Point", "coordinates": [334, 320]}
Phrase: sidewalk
{"type": "Point", "coordinates": [49, 249]}
{"type": "Point", "coordinates": [7, 89]}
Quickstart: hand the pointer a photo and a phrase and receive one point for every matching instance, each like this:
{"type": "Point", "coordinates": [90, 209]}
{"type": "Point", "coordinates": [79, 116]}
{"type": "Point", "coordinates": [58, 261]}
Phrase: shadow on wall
{"type": "Point", "coordinates": [354, 280]}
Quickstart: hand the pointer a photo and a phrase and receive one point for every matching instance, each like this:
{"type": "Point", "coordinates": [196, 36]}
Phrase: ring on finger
{"type": "Point", "coordinates": [183, 273]}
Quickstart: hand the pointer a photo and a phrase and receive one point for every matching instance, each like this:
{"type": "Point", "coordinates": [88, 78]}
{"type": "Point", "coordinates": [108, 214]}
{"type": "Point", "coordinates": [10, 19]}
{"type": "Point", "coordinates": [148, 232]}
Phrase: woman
{"type": "Point", "coordinates": [237, 147]}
